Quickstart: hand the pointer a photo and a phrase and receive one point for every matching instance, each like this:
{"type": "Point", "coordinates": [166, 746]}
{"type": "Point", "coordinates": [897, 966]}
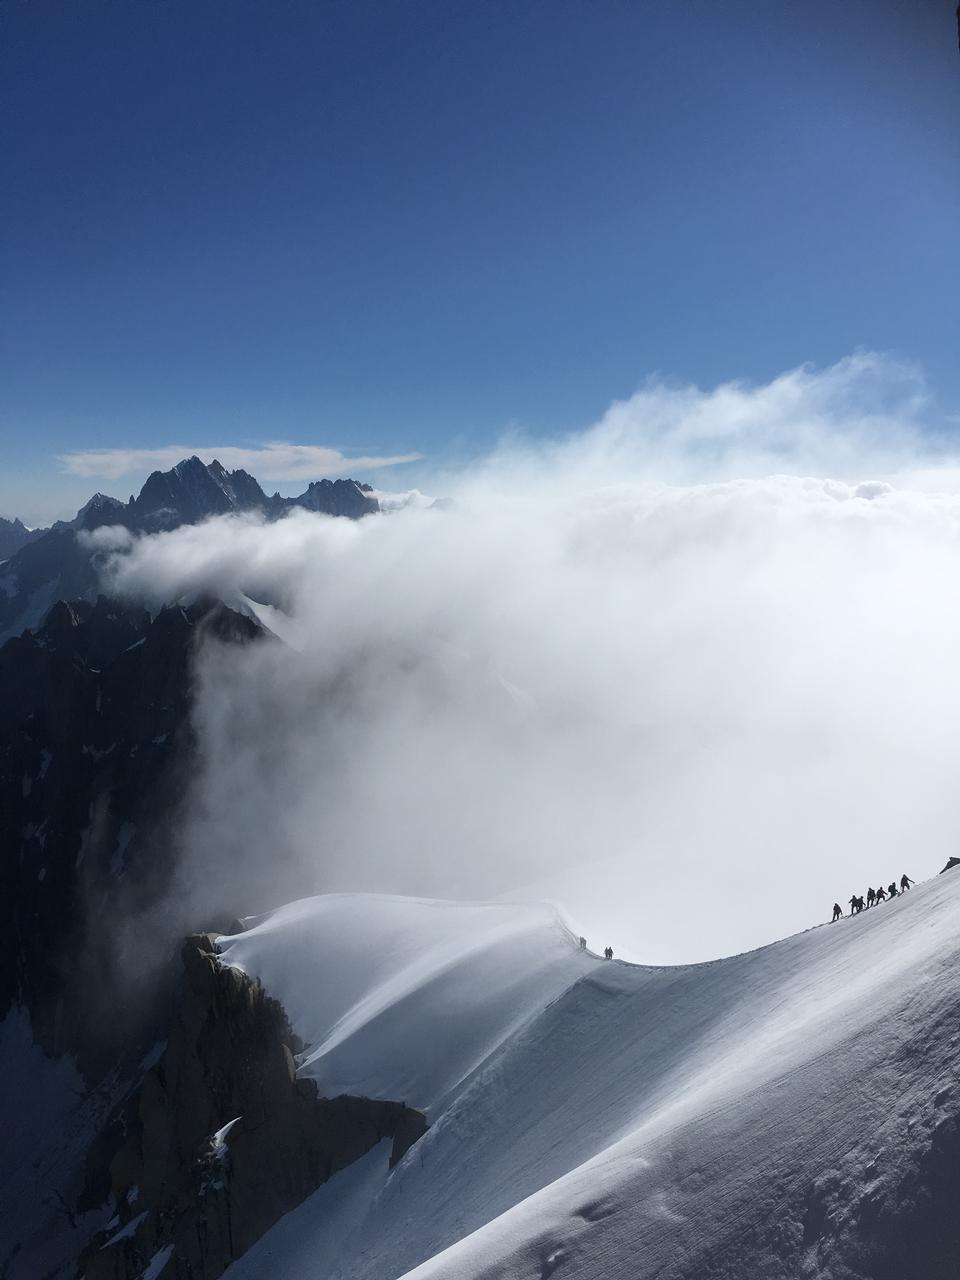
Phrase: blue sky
{"type": "Point", "coordinates": [402, 228]}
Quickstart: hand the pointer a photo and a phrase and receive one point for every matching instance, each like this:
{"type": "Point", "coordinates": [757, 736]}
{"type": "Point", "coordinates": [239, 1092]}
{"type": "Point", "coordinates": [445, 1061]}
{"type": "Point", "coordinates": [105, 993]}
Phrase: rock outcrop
{"type": "Point", "coordinates": [224, 1139]}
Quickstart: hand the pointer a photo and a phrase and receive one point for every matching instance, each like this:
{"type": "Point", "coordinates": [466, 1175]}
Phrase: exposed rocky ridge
{"type": "Point", "coordinates": [193, 491]}
{"type": "Point", "coordinates": [224, 1139]}
{"type": "Point", "coordinates": [332, 498]}
{"type": "Point", "coordinates": [14, 534]}
{"type": "Point", "coordinates": [54, 565]}
{"type": "Point", "coordinates": [189, 492]}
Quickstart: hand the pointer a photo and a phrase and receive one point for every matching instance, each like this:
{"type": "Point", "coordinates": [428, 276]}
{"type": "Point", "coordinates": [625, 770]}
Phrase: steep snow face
{"type": "Point", "coordinates": [404, 998]}
{"type": "Point", "coordinates": [790, 1112]}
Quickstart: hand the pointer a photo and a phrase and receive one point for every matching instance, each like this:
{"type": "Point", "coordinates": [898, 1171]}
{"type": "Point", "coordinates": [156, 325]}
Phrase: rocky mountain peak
{"type": "Point", "coordinates": [337, 498]}
{"type": "Point", "coordinates": [100, 509]}
{"type": "Point", "coordinates": [192, 491]}
{"type": "Point", "coordinates": [14, 534]}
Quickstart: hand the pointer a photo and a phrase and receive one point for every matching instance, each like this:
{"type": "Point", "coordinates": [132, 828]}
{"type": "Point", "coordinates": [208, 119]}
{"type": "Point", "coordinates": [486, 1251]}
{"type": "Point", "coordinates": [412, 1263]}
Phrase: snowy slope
{"type": "Point", "coordinates": [789, 1112]}
{"type": "Point", "coordinates": [375, 984]}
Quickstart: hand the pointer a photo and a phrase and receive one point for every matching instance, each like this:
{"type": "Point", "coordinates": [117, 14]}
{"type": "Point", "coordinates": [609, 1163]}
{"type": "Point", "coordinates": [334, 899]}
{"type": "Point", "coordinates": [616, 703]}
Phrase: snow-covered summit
{"type": "Point", "coordinates": [794, 1111]}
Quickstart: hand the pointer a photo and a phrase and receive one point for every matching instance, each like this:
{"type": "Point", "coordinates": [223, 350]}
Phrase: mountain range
{"type": "Point", "coordinates": [42, 566]}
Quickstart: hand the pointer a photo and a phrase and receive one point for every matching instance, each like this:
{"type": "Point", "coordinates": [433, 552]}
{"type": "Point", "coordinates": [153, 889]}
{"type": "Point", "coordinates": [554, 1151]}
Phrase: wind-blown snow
{"type": "Point", "coordinates": [375, 983]}
{"type": "Point", "coordinates": [761, 1115]}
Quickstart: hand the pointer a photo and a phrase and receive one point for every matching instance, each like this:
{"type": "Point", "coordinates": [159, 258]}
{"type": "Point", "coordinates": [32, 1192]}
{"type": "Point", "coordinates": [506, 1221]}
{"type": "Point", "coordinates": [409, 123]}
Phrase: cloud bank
{"type": "Point", "coordinates": [275, 460]}
{"type": "Point", "coordinates": [692, 672]}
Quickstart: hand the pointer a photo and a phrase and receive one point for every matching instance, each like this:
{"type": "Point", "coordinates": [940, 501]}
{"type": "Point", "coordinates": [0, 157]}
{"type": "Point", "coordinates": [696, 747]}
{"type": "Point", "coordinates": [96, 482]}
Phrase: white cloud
{"type": "Point", "coordinates": [660, 669]}
{"type": "Point", "coordinates": [275, 460]}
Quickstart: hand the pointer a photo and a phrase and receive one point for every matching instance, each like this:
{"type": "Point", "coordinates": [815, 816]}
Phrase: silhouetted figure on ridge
{"type": "Point", "coordinates": [608, 953]}
{"type": "Point", "coordinates": [881, 895]}
{"type": "Point", "coordinates": [905, 883]}
{"type": "Point", "coordinates": [871, 897]}
{"type": "Point", "coordinates": [892, 889]}
{"type": "Point", "coordinates": [837, 911]}
{"type": "Point", "coordinates": [853, 905]}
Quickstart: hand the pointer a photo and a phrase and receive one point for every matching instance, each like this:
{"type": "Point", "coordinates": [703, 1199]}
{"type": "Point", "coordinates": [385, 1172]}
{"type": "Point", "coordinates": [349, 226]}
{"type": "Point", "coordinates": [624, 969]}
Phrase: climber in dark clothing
{"type": "Point", "coordinates": [881, 894]}
{"type": "Point", "coordinates": [905, 883]}
{"type": "Point", "coordinates": [871, 897]}
{"type": "Point", "coordinates": [608, 953]}
{"type": "Point", "coordinates": [853, 904]}
{"type": "Point", "coordinates": [837, 911]}
{"type": "Point", "coordinates": [892, 890]}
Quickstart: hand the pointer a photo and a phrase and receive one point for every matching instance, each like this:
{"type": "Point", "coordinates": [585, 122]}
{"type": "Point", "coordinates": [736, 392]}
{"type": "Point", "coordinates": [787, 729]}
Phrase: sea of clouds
{"type": "Point", "coordinates": [694, 671]}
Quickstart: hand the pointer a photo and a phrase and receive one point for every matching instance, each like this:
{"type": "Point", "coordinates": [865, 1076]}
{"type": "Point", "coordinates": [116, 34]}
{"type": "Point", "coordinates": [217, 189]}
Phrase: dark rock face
{"type": "Point", "coordinates": [95, 748]}
{"type": "Point", "coordinates": [951, 863]}
{"type": "Point", "coordinates": [14, 535]}
{"type": "Point", "coordinates": [224, 1139]}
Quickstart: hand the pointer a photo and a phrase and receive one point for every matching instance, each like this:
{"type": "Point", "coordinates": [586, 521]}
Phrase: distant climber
{"type": "Point", "coordinates": [853, 904]}
{"type": "Point", "coordinates": [583, 942]}
{"type": "Point", "coordinates": [608, 953]}
{"type": "Point", "coordinates": [837, 911]}
{"type": "Point", "coordinates": [871, 897]}
{"type": "Point", "coordinates": [881, 895]}
{"type": "Point", "coordinates": [892, 889]}
{"type": "Point", "coordinates": [905, 883]}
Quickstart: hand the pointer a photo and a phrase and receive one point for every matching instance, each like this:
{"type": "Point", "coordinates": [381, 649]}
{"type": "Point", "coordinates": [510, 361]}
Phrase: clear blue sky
{"type": "Point", "coordinates": [395, 227]}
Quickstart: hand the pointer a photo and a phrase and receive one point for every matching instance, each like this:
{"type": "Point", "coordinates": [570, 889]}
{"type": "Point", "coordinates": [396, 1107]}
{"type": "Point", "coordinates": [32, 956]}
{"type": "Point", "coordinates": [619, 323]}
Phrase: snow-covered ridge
{"type": "Point", "coordinates": [403, 998]}
{"type": "Point", "coordinates": [780, 1113]}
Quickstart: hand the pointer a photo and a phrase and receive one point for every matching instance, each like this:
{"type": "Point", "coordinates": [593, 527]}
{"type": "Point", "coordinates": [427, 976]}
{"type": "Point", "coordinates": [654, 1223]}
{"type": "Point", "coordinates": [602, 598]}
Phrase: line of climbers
{"type": "Point", "coordinates": [874, 897]}
{"type": "Point", "coordinates": [607, 951]}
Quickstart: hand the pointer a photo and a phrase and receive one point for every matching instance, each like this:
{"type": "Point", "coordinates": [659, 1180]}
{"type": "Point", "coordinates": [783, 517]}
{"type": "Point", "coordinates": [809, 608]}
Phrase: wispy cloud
{"type": "Point", "coordinates": [275, 460]}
